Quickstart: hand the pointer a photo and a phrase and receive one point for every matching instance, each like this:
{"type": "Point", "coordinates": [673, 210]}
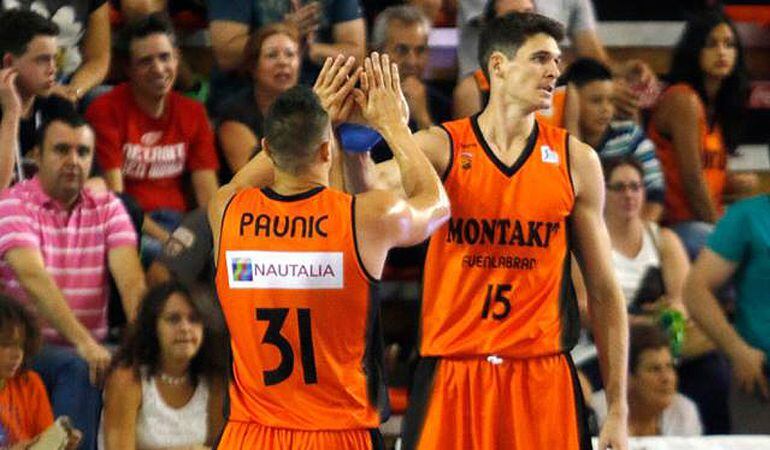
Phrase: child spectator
{"type": "Point", "coordinates": [25, 411]}
{"type": "Point", "coordinates": [611, 138]}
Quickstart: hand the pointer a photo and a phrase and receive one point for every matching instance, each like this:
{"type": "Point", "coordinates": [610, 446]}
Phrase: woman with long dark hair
{"type": "Point", "coordinates": [167, 386]}
{"type": "Point", "coordinates": [696, 124]}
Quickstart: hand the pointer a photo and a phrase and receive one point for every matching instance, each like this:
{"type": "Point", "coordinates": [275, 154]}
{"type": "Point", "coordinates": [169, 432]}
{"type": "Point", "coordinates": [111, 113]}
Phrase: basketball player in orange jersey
{"type": "Point", "coordinates": [498, 311]}
{"type": "Point", "coordinates": [295, 263]}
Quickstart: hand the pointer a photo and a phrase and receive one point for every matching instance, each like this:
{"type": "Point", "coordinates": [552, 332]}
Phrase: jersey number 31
{"type": "Point", "coordinates": [276, 318]}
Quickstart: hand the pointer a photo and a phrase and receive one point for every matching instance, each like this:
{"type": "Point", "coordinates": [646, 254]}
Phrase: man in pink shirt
{"type": "Point", "coordinates": [149, 137]}
{"type": "Point", "coordinates": [57, 243]}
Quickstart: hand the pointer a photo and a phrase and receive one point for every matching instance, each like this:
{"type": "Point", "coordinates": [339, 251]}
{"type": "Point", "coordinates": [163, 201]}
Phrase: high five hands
{"type": "Point", "coordinates": [356, 94]}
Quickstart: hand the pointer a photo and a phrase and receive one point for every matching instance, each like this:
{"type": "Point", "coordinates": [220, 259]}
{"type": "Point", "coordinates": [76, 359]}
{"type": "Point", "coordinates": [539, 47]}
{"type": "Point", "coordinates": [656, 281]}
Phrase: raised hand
{"type": "Point", "coordinates": [334, 86]}
{"type": "Point", "coordinates": [306, 18]}
{"type": "Point", "coordinates": [10, 101]}
{"type": "Point", "coordinates": [380, 98]}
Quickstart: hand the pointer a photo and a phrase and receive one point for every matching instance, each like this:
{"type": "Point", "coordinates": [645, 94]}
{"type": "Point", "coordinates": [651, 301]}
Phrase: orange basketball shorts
{"type": "Point", "coordinates": [242, 435]}
{"type": "Point", "coordinates": [496, 404]}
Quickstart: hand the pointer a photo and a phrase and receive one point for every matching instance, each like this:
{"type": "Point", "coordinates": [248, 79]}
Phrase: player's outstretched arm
{"type": "Point", "coordinates": [386, 218]}
{"type": "Point", "coordinates": [606, 305]}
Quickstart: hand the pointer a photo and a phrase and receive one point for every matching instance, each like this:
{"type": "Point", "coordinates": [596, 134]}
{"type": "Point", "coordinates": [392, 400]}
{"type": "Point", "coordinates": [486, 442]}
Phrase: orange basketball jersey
{"type": "Point", "coordinates": [497, 274]}
{"type": "Point", "coordinates": [297, 303]}
{"type": "Point", "coordinates": [713, 164]}
{"type": "Point", "coordinates": [553, 115]}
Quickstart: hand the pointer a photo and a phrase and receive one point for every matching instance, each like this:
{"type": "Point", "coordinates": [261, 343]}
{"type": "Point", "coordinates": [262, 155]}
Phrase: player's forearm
{"type": "Point", "coordinates": [610, 329]}
{"type": "Point", "coordinates": [257, 173]}
{"type": "Point", "coordinates": [420, 181]}
{"type": "Point", "coordinates": [9, 132]}
{"type": "Point", "coordinates": [704, 308]}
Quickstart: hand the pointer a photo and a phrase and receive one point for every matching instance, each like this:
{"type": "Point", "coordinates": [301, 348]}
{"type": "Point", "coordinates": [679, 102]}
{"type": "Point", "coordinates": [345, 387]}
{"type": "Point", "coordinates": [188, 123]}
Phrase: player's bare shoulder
{"type": "Point", "coordinates": [585, 165]}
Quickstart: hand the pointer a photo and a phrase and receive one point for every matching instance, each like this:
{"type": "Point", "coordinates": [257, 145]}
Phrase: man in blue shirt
{"type": "Point", "coordinates": [739, 248]}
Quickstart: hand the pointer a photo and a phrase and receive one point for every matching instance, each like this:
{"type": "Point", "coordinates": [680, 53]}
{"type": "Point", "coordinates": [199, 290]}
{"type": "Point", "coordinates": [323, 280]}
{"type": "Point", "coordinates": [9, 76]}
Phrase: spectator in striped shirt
{"type": "Point", "coordinates": [613, 139]}
{"type": "Point", "coordinates": [57, 243]}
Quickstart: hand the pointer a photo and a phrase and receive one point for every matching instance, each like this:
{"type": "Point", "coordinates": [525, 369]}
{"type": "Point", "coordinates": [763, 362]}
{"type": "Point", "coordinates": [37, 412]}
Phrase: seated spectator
{"type": "Point", "coordinates": [651, 265]}
{"type": "Point", "coordinates": [168, 383]}
{"type": "Point", "coordinates": [650, 262]}
{"type": "Point", "coordinates": [654, 406]}
{"type": "Point", "coordinates": [633, 77]}
{"type": "Point", "coordinates": [25, 411]}
{"type": "Point", "coordinates": [58, 243]}
{"type": "Point", "coordinates": [594, 90]}
{"type": "Point", "coordinates": [402, 33]}
{"type": "Point", "coordinates": [696, 125]}
{"type": "Point", "coordinates": [272, 61]}
{"type": "Point", "coordinates": [84, 41]}
{"type": "Point", "coordinates": [149, 137]}
{"type": "Point", "coordinates": [327, 28]}
{"type": "Point", "coordinates": [738, 250]}
{"type": "Point", "coordinates": [188, 17]}
{"type": "Point", "coordinates": [27, 75]}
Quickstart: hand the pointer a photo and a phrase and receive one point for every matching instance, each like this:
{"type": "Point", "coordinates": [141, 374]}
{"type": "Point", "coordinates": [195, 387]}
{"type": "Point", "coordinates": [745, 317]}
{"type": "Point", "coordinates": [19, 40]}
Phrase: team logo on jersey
{"type": "Point", "coordinates": [285, 270]}
{"type": "Point", "coordinates": [465, 160]}
{"type": "Point", "coordinates": [151, 138]}
{"type": "Point", "coordinates": [241, 269]}
{"type": "Point", "coordinates": [548, 155]}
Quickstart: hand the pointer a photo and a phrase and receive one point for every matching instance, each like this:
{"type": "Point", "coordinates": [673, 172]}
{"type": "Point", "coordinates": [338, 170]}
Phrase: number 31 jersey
{"type": "Point", "coordinates": [297, 304]}
{"type": "Point", "coordinates": [497, 274]}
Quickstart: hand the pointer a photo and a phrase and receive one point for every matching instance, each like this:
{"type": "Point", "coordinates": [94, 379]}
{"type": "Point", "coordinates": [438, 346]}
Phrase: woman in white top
{"type": "Point", "coordinates": [650, 262]}
{"type": "Point", "coordinates": [167, 387]}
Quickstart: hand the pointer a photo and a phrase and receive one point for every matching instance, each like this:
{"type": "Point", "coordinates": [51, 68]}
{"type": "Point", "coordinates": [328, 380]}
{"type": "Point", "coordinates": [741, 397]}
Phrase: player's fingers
{"type": "Point", "coordinates": [377, 70]}
{"type": "Point", "coordinates": [360, 98]}
{"type": "Point", "coordinates": [367, 80]}
{"type": "Point", "coordinates": [387, 80]}
{"type": "Point", "coordinates": [396, 78]}
{"type": "Point", "coordinates": [321, 79]}
{"type": "Point", "coordinates": [351, 81]}
{"type": "Point", "coordinates": [339, 60]}
{"type": "Point", "coordinates": [342, 74]}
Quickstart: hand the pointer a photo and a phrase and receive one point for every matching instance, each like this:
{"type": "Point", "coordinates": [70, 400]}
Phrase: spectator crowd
{"type": "Point", "coordinates": [112, 147]}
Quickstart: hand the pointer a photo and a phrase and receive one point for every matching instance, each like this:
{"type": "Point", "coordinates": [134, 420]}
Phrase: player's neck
{"type": "Point", "coordinates": [506, 127]}
{"type": "Point", "coordinates": [291, 184]}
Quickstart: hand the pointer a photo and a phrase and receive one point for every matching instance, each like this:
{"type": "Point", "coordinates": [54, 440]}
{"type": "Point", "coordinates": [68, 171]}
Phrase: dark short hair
{"type": "Point", "coordinates": [141, 347]}
{"type": "Point", "coordinates": [157, 23]}
{"type": "Point", "coordinates": [12, 315]}
{"type": "Point", "coordinates": [18, 27]}
{"type": "Point", "coordinates": [509, 32]}
{"type": "Point", "coordinates": [64, 113]}
{"type": "Point", "coordinates": [585, 70]}
{"type": "Point", "coordinates": [610, 164]}
{"type": "Point", "coordinates": [294, 128]}
{"type": "Point", "coordinates": [643, 338]}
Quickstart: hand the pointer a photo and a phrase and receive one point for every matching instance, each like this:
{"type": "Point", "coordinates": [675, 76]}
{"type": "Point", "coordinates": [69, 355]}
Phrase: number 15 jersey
{"type": "Point", "coordinates": [297, 303]}
{"type": "Point", "coordinates": [497, 274]}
